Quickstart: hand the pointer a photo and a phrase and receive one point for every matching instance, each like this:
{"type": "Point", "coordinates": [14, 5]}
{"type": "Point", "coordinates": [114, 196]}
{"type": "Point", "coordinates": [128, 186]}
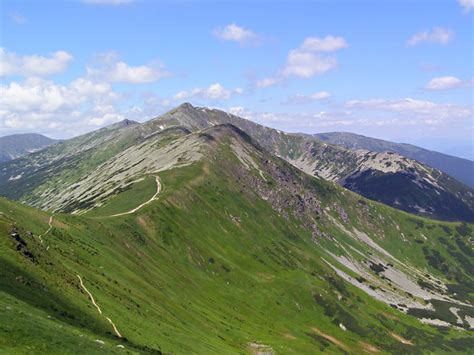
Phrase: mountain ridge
{"type": "Point", "coordinates": [17, 145]}
{"type": "Point", "coordinates": [426, 191]}
{"type": "Point", "coordinates": [240, 251]}
{"type": "Point", "coordinates": [339, 164]}
{"type": "Point", "coordinates": [460, 168]}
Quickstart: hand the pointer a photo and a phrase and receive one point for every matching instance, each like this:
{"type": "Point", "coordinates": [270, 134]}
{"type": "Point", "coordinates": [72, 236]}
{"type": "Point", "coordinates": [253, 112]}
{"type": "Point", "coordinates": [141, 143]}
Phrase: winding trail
{"type": "Point", "coordinates": [332, 339]}
{"type": "Point", "coordinates": [50, 224]}
{"type": "Point", "coordinates": [153, 198]}
{"type": "Point", "coordinates": [400, 339]}
{"type": "Point", "coordinates": [98, 308]}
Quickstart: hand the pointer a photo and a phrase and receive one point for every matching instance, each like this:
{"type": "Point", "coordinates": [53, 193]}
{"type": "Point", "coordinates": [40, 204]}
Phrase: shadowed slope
{"type": "Point", "coordinates": [241, 252]}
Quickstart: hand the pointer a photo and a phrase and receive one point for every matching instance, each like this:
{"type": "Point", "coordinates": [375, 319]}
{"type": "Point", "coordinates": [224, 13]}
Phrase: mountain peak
{"type": "Point", "coordinates": [121, 124]}
{"type": "Point", "coordinates": [185, 115]}
{"type": "Point", "coordinates": [185, 105]}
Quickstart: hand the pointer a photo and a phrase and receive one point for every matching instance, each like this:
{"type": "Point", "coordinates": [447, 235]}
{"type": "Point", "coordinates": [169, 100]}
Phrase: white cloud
{"type": "Point", "coordinates": [112, 69]}
{"type": "Point", "coordinates": [378, 116]}
{"type": "Point", "coordinates": [213, 92]}
{"type": "Point", "coordinates": [467, 5]}
{"type": "Point", "coordinates": [438, 35]}
{"type": "Point", "coordinates": [35, 95]}
{"type": "Point", "coordinates": [41, 105]}
{"type": "Point", "coordinates": [107, 2]}
{"type": "Point", "coordinates": [326, 44]}
{"type": "Point", "coordinates": [444, 83]}
{"type": "Point", "coordinates": [103, 115]}
{"type": "Point", "coordinates": [307, 60]}
{"type": "Point", "coordinates": [17, 18]}
{"type": "Point", "coordinates": [395, 105]}
{"type": "Point", "coordinates": [235, 33]}
{"type": "Point", "coordinates": [86, 88]}
{"type": "Point", "coordinates": [41, 95]}
{"type": "Point", "coordinates": [122, 72]}
{"type": "Point", "coordinates": [306, 64]}
{"type": "Point", "coordinates": [304, 99]}
{"type": "Point", "coordinates": [32, 65]}
{"type": "Point", "coordinates": [267, 82]}
{"type": "Point", "coordinates": [237, 110]}
{"type": "Point", "coordinates": [414, 108]}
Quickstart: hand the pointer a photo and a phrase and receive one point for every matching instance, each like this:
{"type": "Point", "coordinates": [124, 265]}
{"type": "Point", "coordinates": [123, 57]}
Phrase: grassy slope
{"type": "Point", "coordinates": [49, 172]}
{"type": "Point", "coordinates": [208, 268]}
{"type": "Point", "coordinates": [43, 175]}
{"type": "Point", "coordinates": [63, 163]}
{"type": "Point", "coordinates": [132, 197]}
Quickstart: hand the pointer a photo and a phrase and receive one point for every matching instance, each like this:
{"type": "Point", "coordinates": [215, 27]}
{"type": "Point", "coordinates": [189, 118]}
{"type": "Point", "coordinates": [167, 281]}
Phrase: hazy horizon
{"type": "Point", "coordinates": [405, 76]}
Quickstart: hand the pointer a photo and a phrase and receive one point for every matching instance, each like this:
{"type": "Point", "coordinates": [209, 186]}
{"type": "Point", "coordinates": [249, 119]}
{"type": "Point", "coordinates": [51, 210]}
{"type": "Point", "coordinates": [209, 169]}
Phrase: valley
{"type": "Point", "coordinates": [203, 241]}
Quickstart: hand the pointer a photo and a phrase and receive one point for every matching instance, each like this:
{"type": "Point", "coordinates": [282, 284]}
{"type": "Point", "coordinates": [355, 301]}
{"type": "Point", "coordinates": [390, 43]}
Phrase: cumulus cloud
{"type": "Point", "coordinates": [102, 115]}
{"type": "Point", "coordinates": [305, 99]}
{"type": "Point", "coordinates": [467, 5]}
{"type": "Point", "coordinates": [32, 65]}
{"type": "Point", "coordinates": [373, 115]}
{"type": "Point", "coordinates": [37, 104]}
{"type": "Point", "coordinates": [296, 122]}
{"type": "Point", "coordinates": [36, 94]}
{"type": "Point", "coordinates": [237, 110]}
{"type": "Point", "coordinates": [236, 33]}
{"type": "Point", "coordinates": [413, 107]}
{"type": "Point", "coordinates": [267, 82]}
{"type": "Point", "coordinates": [308, 60]}
{"type": "Point", "coordinates": [111, 69]}
{"type": "Point", "coordinates": [444, 83]}
{"type": "Point", "coordinates": [306, 64]}
{"type": "Point", "coordinates": [213, 92]}
{"type": "Point", "coordinates": [437, 35]}
{"type": "Point", "coordinates": [326, 44]}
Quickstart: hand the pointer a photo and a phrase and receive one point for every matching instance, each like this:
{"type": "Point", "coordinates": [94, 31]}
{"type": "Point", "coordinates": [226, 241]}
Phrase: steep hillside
{"type": "Point", "coordinates": [389, 178]}
{"type": "Point", "coordinates": [46, 179]}
{"type": "Point", "coordinates": [18, 145]}
{"type": "Point", "coordinates": [459, 168]}
{"type": "Point", "coordinates": [64, 163]}
{"type": "Point", "coordinates": [226, 248]}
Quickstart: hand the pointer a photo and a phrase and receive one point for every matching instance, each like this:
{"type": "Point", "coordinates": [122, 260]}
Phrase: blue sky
{"type": "Point", "coordinates": [397, 70]}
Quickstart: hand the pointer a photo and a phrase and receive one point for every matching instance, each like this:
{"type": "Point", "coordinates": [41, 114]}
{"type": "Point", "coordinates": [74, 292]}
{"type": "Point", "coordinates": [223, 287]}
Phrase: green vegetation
{"type": "Point", "coordinates": [210, 267]}
{"type": "Point", "coordinates": [127, 199]}
{"type": "Point", "coordinates": [40, 178]}
{"type": "Point", "coordinates": [241, 253]}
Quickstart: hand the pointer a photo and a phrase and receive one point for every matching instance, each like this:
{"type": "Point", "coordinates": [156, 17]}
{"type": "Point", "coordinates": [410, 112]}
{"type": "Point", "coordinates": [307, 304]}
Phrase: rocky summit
{"type": "Point", "coordinates": [202, 232]}
{"type": "Point", "coordinates": [47, 177]}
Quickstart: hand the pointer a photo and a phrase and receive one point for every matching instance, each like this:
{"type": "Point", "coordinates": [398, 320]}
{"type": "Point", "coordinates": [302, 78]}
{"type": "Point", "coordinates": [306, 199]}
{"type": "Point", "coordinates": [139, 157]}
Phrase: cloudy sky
{"type": "Point", "coordinates": [400, 70]}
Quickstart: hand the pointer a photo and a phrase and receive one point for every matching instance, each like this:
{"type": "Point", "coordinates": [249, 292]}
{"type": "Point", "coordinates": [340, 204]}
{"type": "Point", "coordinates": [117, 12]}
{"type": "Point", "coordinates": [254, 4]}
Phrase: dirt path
{"type": "Point", "coordinates": [153, 198]}
{"type": "Point", "coordinates": [50, 224]}
{"type": "Point", "coordinates": [330, 338]}
{"type": "Point", "coordinates": [98, 308]}
{"type": "Point", "coordinates": [401, 339]}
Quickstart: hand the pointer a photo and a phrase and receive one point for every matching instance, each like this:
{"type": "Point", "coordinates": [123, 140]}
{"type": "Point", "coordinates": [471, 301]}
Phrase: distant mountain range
{"type": "Point", "coordinates": [188, 235]}
{"type": "Point", "coordinates": [459, 168]}
{"type": "Point", "coordinates": [49, 179]}
{"type": "Point", "coordinates": [17, 145]}
{"type": "Point", "coordinates": [199, 232]}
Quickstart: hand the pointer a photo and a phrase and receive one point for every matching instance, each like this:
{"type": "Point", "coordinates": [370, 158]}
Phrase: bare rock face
{"type": "Point", "coordinates": [459, 168]}
{"type": "Point", "coordinates": [47, 178]}
{"type": "Point", "coordinates": [386, 177]}
{"type": "Point", "coordinates": [22, 245]}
